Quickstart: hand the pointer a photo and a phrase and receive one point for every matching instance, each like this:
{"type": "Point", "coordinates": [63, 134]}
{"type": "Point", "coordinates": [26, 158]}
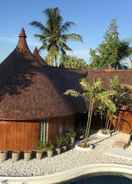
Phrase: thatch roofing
{"type": "Point", "coordinates": [31, 91]}
{"type": "Point", "coordinates": [38, 58]}
{"type": "Point", "coordinates": [125, 76]}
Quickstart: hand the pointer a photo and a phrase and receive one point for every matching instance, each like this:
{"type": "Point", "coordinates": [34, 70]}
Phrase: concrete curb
{"type": "Point", "coordinates": [90, 169]}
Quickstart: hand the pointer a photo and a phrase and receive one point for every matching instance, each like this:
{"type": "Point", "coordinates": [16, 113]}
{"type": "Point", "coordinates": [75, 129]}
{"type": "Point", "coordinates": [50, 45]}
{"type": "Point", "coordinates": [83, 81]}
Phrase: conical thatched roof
{"type": "Point", "coordinates": [31, 91]}
{"type": "Point", "coordinates": [37, 57]}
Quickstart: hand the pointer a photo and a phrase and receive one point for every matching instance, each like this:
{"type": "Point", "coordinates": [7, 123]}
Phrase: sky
{"type": "Point", "coordinates": [92, 18]}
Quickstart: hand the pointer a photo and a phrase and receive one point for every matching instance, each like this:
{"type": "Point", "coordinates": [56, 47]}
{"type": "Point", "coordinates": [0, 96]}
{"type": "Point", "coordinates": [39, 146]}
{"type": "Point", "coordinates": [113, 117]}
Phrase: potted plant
{"type": "Point", "coordinates": [58, 144]}
{"type": "Point", "coordinates": [27, 155]}
{"type": "Point", "coordinates": [3, 155]}
{"type": "Point", "coordinates": [39, 150]}
{"type": "Point", "coordinates": [15, 155]}
{"type": "Point", "coordinates": [72, 135]}
{"type": "Point", "coordinates": [84, 145]}
{"type": "Point", "coordinates": [65, 142]}
{"type": "Point", "coordinates": [49, 149]}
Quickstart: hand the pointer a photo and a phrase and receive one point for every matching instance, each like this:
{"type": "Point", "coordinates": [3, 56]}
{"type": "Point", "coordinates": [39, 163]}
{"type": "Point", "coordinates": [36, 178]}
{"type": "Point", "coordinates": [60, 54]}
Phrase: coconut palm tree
{"type": "Point", "coordinates": [95, 95]}
{"type": "Point", "coordinates": [54, 35]}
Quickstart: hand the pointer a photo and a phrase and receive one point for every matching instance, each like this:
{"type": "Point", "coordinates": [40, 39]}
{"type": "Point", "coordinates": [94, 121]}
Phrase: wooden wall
{"type": "Point", "coordinates": [22, 136]}
{"type": "Point", "coordinates": [124, 122]}
{"type": "Point", "coordinates": [58, 126]}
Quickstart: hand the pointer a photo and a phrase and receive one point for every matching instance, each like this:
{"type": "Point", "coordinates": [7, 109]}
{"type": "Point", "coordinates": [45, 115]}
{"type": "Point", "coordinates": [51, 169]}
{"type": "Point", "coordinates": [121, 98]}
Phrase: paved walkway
{"type": "Point", "coordinates": [68, 160]}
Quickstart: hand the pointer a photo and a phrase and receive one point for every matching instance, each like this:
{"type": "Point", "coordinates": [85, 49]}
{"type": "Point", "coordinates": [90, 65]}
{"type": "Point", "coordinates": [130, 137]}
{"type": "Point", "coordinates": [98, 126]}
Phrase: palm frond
{"type": "Point", "coordinates": [41, 27]}
{"type": "Point", "coordinates": [85, 85]}
{"type": "Point", "coordinates": [72, 36]}
{"type": "Point", "coordinates": [97, 85]}
{"type": "Point", "coordinates": [54, 19]}
{"type": "Point", "coordinates": [104, 98]}
{"type": "Point", "coordinates": [66, 26]}
{"type": "Point", "coordinates": [72, 92]}
{"type": "Point", "coordinates": [41, 37]}
{"type": "Point", "coordinates": [42, 47]}
{"type": "Point", "coordinates": [65, 47]}
{"type": "Point", "coordinates": [38, 25]}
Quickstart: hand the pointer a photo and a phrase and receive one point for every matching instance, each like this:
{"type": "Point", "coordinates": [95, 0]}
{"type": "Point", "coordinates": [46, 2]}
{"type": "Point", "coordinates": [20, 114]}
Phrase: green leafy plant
{"type": "Point", "coordinates": [49, 146]}
{"type": "Point", "coordinates": [41, 146]}
{"type": "Point", "coordinates": [59, 141]}
{"type": "Point", "coordinates": [63, 140]}
{"type": "Point", "coordinates": [71, 133]}
{"type": "Point", "coordinates": [95, 95]}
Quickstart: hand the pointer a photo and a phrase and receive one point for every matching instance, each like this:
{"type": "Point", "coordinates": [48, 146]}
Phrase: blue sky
{"type": "Point", "coordinates": [91, 17]}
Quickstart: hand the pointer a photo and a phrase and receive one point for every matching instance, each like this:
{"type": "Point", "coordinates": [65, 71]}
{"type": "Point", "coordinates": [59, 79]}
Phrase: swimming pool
{"type": "Point", "coordinates": [106, 179]}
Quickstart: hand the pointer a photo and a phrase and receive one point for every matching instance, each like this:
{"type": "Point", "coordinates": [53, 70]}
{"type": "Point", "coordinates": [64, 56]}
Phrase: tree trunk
{"type": "Point", "coordinates": [90, 113]}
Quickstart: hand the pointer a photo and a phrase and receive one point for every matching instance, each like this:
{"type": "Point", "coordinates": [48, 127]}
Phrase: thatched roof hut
{"type": "Point", "coordinates": [32, 93]}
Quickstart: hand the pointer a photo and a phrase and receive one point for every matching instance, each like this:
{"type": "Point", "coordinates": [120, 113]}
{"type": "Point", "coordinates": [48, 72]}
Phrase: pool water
{"type": "Point", "coordinates": [102, 180]}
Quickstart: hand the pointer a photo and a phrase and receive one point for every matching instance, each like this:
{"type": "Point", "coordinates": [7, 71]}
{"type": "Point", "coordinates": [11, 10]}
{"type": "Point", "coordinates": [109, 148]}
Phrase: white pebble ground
{"type": "Point", "coordinates": [65, 161]}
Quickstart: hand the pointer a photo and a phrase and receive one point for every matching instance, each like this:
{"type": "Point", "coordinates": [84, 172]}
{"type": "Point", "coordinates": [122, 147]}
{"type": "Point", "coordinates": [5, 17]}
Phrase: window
{"type": "Point", "coordinates": [43, 131]}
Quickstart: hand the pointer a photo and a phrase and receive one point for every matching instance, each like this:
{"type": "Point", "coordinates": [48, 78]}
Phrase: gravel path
{"type": "Point", "coordinates": [65, 161]}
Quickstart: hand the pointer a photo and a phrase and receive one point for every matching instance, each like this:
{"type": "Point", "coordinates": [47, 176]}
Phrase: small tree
{"type": "Point", "coordinates": [111, 51]}
{"type": "Point", "coordinates": [95, 95]}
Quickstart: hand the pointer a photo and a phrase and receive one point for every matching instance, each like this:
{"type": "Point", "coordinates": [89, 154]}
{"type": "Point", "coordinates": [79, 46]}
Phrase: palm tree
{"type": "Point", "coordinates": [54, 35]}
{"type": "Point", "coordinates": [123, 92]}
{"type": "Point", "coordinates": [96, 96]}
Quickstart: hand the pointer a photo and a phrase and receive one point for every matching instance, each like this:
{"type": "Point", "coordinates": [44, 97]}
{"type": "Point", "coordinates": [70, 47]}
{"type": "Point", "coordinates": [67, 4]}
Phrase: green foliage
{"type": "Point", "coordinates": [97, 97]}
{"type": "Point", "coordinates": [49, 146]}
{"type": "Point", "coordinates": [111, 50]}
{"type": "Point", "coordinates": [115, 83]}
{"type": "Point", "coordinates": [122, 96]}
{"type": "Point", "coordinates": [73, 62]}
{"type": "Point", "coordinates": [72, 92]}
{"type": "Point", "coordinates": [104, 99]}
{"type": "Point", "coordinates": [71, 133]}
{"type": "Point", "coordinates": [59, 141]}
{"type": "Point", "coordinates": [63, 140]}
{"type": "Point", "coordinates": [41, 146]}
{"type": "Point", "coordinates": [54, 35]}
